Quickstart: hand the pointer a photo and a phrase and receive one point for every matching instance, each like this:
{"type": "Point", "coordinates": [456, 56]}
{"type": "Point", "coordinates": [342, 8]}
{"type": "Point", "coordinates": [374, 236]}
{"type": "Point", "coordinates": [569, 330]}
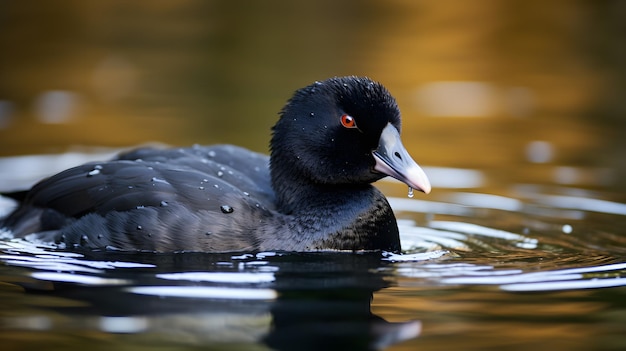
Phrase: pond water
{"type": "Point", "coordinates": [545, 270]}
{"type": "Point", "coordinates": [515, 110]}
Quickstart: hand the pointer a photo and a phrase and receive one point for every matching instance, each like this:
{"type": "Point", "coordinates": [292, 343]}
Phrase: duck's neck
{"type": "Point", "coordinates": [296, 195]}
{"type": "Point", "coordinates": [345, 217]}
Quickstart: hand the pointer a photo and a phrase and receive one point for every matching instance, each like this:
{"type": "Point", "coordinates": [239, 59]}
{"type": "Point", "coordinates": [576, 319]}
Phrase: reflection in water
{"type": "Point", "coordinates": [570, 279]}
{"type": "Point", "coordinates": [123, 324]}
{"type": "Point", "coordinates": [495, 202]}
{"type": "Point", "coordinates": [265, 297]}
{"type": "Point", "coordinates": [582, 203]}
{"type": "Point", "coordinates": [200, 292]}
{"type": "Point", "coordinates": [583, 176]}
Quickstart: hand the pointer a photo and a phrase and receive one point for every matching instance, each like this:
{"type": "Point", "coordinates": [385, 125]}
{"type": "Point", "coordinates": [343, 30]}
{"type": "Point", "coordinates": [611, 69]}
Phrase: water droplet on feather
{"type": "Point", "coordinates": [226, 209]}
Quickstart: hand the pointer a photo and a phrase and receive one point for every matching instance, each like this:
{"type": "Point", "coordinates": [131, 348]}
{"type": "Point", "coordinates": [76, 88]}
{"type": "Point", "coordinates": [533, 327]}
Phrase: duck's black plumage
{"type": "Point", "coordinates": [333, 139]}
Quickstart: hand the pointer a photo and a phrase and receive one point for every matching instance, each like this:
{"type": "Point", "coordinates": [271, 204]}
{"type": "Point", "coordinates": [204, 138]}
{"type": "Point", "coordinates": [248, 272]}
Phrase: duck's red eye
{"type": "Point", "coordinates": [348, 121]}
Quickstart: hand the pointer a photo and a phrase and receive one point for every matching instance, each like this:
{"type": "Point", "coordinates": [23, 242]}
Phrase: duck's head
{"type": "Point", "coordinates": [340, 131]}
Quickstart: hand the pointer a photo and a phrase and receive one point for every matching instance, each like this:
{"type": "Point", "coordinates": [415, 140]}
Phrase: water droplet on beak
{"type": "Point", "coordinates": [410, 192]}
{"type": "Point", "coordinates": [226, 209]}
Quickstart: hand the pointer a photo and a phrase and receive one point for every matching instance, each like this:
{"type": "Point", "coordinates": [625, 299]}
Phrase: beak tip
{"type": "Point", "coordinates": [423, 185]}
{"type": "Point", "coordinates": [416, 178]}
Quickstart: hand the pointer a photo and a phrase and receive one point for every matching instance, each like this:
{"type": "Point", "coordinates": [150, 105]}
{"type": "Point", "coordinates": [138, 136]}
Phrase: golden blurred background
{"type": "Point", "coordinates": [523, 90]}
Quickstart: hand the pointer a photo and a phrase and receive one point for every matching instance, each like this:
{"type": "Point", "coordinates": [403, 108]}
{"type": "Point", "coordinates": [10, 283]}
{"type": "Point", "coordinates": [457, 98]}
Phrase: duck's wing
{"type": "Point", "coordinates": [143, 178]}
{"type": "Point", "coordinates": [242, 168]}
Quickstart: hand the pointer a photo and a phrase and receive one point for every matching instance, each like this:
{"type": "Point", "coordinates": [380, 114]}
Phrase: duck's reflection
{"type": "Point", "coordinates": [320, 301]}
{"type": "Point", "coordinates": [323, 321]}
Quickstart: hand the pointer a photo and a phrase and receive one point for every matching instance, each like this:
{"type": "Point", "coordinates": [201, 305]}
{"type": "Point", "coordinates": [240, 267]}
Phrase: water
{"type": "Point", "coordinates": [542, 271]}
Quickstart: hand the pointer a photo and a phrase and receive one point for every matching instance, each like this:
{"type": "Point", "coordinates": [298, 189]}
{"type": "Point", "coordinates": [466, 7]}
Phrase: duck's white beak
{"type": "Point", "coordinates": [393, 160]}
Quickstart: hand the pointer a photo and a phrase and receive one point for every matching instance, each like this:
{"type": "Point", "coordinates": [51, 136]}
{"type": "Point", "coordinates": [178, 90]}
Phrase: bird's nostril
{"type": "Point", "coordinates": [397, 154]}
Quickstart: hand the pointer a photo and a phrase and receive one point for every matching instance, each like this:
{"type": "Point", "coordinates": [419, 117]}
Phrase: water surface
{"type": "Point", "coordinates": [479, 271]}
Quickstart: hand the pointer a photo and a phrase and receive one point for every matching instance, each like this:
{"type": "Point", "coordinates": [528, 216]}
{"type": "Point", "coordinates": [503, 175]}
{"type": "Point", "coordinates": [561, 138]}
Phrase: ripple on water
{"type": "Point", "coordinates": [220, 277]}
{"type": "Point", "coordinates": [57, 265]}
{"type": "Point", "coordinates": [541, 253]}
{"type": "Point", "coordinates": [561, 279]}
{"type": "Point", "coordinates": [205, 292]}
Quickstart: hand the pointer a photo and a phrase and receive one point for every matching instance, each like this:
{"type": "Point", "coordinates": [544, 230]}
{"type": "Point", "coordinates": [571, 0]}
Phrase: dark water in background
{"type": "Point", "coordinates": [516, 111]}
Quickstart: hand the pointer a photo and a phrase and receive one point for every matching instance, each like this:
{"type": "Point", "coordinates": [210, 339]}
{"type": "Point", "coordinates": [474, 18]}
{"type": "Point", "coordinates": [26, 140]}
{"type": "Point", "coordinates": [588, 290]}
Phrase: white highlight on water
{"type": "Point", "coordinates": [207, 292]}
{"type": "Point", "coordinates": [220, 277]}
{"type": "Point", "coordinates": [560, 279]}
{"type": "Point", "coordinates": [416, 257]}
{"type": "Point", "coordinates": [129, 324]}
{"type": "Point", "coordinates": [77, 278]}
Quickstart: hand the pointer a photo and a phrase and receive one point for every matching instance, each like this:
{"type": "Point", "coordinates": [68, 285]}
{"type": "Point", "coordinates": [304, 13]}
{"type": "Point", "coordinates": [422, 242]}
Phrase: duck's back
{"type": "Point", "coordinates": [200, 198]}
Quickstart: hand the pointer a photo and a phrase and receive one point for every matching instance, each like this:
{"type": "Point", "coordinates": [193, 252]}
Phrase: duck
{"type": "Point", "coordinates": [314, 192]}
